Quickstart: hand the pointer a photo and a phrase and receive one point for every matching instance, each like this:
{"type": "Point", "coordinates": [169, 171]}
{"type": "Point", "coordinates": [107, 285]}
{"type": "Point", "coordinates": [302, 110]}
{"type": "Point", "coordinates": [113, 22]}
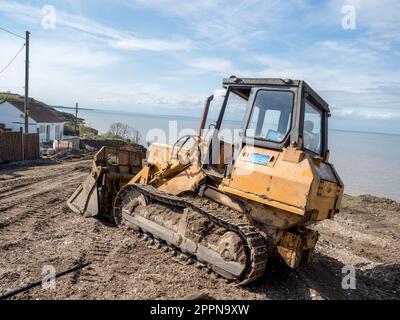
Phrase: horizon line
{"type": "Point", "coordinates": [197, 118]}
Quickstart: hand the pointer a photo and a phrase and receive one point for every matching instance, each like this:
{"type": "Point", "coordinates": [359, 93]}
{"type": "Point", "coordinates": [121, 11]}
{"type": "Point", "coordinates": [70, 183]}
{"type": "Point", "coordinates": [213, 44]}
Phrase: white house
{"type": "Point", "coordinates": [42, 117]}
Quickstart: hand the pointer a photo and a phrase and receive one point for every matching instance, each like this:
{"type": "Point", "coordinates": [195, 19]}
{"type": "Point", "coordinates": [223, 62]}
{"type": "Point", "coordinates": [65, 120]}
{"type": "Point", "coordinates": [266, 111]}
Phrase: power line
{"type": "Point", "coordinates": [10, 32]}
{"type": "Point", "coordinates": [12, 60]}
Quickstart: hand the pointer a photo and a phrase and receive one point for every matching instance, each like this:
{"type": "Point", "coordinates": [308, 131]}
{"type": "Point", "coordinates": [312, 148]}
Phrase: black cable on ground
{"type": "Point", "coordinates": [38, 283]}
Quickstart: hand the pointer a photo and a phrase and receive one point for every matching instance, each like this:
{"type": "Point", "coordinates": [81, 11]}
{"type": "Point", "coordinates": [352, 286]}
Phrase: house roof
{"type": "Point", "coordinates": [38, 111]}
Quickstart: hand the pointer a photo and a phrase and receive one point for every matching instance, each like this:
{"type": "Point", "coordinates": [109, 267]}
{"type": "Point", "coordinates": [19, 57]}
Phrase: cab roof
{"type": "Point", "coordinates": [234, 81]}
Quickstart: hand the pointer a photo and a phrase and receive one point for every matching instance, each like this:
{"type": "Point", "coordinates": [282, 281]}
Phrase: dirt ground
{"type": "Point", "coordinates": [37, 229]}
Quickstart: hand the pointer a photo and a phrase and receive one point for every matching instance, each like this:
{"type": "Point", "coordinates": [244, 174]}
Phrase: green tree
{"type": "Point", "coordinates": [136, 137]}
{"type": "Point", "coordinates": [122, 131]}
{"type": "Point", "coordinates": [119, 129]}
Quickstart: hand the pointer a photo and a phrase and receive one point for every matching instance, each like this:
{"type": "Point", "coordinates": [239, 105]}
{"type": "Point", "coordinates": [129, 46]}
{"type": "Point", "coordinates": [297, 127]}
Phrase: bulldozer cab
{"type": "Point", "coordinates": [267, 113]}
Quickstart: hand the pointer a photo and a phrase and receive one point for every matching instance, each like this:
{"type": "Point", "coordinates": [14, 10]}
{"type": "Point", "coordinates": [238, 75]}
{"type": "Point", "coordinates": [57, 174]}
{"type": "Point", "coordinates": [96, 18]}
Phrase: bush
{"type": "Point", "coordinates": [117, 132]}
{"type": "Point", "coordinates": [84, 130]}
{"type": "Point", "coordinates": [110, 136]}
{"type": "Point", "coordinates": [87, 131]}
{"type": "Point", "coordinates": [69, 128]}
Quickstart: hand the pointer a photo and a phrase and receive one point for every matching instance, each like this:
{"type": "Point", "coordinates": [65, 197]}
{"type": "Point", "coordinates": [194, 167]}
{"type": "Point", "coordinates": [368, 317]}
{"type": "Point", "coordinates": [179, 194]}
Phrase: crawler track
{"type": "Point", "coordinates": [230, 220]}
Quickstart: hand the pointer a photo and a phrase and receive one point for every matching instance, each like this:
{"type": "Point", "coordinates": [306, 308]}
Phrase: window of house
{"type": "Point", "coordinates": [57, 135]}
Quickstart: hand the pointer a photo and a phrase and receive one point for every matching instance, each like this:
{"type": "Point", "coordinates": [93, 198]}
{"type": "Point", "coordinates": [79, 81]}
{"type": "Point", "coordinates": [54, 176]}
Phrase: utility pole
{"type": "Point", "coordinates": [76, 119]}
{"type": "Point", "coordinates": [26, 105]}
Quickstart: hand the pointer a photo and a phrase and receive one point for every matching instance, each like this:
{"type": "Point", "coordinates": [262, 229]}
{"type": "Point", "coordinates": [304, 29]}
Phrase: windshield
{"type": "Point", "coordinates": [271, 116]}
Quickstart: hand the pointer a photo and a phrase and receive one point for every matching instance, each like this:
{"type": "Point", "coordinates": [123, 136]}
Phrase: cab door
{"type": "Point", "coordinates": [271, 120]}
{"type": "Point", "coordinates": [226, 141]}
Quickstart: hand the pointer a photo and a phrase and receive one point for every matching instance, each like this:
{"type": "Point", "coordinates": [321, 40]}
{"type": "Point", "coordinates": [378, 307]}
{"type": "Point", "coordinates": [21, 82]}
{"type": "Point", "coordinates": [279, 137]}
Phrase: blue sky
{"type": "Point", "coordinates": [166, 56]}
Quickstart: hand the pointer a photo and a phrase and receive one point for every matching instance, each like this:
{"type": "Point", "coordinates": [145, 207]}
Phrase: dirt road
{"type": "Point", "coordinates": [37, 229]}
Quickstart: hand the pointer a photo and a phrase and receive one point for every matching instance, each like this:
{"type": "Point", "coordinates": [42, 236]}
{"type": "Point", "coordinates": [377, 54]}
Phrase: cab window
{"type": "Point", "coordinates": [233, 114]}
{"type": "Point", "coordinates": [234, 110]}
{"type": "Point", "coordinates": [271, 115]}
{"type": "Point", "coordinates": [312, 128]}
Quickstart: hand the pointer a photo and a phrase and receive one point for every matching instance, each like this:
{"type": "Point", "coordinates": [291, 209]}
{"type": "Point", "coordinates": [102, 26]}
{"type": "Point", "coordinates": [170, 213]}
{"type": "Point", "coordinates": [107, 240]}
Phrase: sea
{"type": "Point", "coordinates": [368, 163]}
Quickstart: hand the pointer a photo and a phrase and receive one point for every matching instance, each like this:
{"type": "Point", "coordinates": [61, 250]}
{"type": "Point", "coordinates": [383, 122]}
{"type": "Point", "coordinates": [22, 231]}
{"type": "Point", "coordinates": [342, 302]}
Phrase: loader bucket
{"type": "Point", "coordinates": [112, 168]}
{"type": "Point", "coordinates": [85, 199]}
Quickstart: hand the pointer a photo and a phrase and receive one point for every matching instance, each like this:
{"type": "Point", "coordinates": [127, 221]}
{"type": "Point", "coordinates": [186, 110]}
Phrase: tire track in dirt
{"type": "Point", "coordinates": [38, 182]}
{"type": "Point", "coordinates": [28, 210]}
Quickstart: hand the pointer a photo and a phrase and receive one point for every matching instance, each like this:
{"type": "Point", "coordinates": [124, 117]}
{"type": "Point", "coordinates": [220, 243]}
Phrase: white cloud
{"type": "Point", "coordinates": [151, 45]}
{"type": "Point", "coordinates": [366, 114]}
{"type": "Point", "coordinates": [75, 56]}
{"type": "Point", "coordinates": [71, 72]}
{"type": "Point", "coordinates": [348, 49]}
{"type": "Point", "coordinates": [215, 65]}
{"type": "Point", "coordinates": [172, 78]}
{"type": "Point", "coordinates": [355, 86]}
{"type": "Point", "coordinates": [139, 95]}
{"type": "Point", "coordinates": [120, 39]}
{"type": "Point", "coordinates": [381, 18]}
{"type": "Point", "coordinates": [82, 65]}
{"type": "Point", "coordinates": [223, 23]}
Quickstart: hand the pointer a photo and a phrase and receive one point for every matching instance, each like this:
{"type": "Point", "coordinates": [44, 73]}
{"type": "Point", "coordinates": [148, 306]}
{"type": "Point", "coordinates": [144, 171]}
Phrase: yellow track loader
{"type": "Point", "coordinates": [240, 191]}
